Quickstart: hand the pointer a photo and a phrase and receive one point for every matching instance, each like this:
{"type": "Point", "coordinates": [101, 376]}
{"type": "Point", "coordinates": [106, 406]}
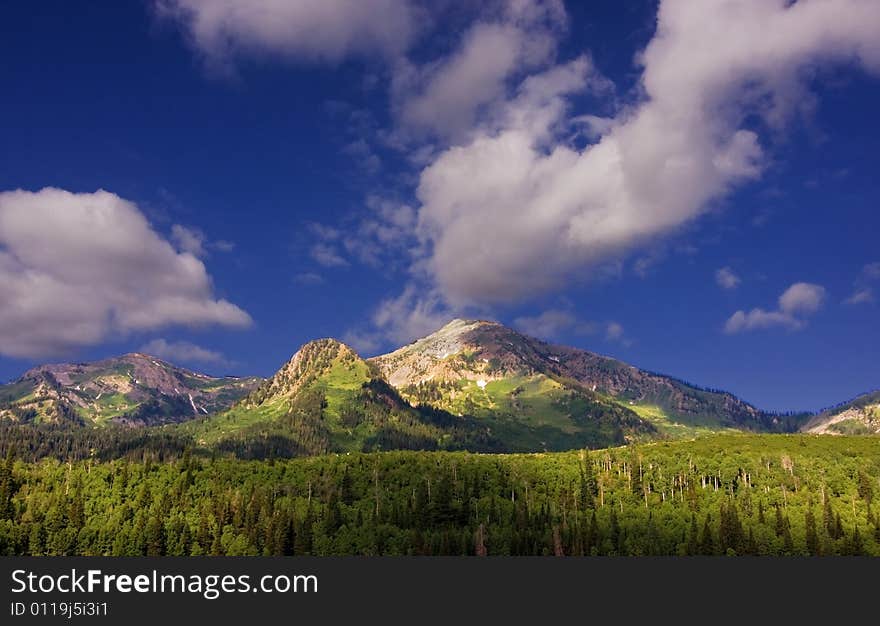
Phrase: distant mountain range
{"type": "Point", "coordinates": [135, 389]}
{"type": "Point", "coordinates": [473, 384]}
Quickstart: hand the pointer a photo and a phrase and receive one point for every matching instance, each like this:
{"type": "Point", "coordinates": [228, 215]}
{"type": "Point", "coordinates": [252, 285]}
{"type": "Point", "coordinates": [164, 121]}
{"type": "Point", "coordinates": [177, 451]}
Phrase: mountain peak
{"type": "Point", "coordinates": [311, 362]}
{"type": "Point", "coordinates": [326, 345]}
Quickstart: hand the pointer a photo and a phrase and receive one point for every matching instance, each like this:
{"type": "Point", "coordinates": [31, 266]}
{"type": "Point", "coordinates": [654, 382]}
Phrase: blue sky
{"type": "Point", "coordinates": [698, 198]}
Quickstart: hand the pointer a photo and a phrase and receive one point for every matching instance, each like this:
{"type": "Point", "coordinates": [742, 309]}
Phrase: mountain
{"type": "Point", "coordinates": [134, 389]}
{"type": "Point", "coordinates": [516, 384]}
{"type": "Point", "coordinates": [860, 416]}
{"type": "Point", "coordinates": [486, 369]}
{"type": "Point", "coordinates": [329, 399]}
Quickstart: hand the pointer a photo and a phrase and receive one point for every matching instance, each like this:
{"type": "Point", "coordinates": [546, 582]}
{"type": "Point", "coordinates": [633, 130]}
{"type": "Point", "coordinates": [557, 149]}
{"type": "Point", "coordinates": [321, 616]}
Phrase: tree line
{"type": "Point", "coordinates": [722, 495]}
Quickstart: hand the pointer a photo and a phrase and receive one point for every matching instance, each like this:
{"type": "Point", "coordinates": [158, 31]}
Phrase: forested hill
{"type": "Point", "coordinates": [725, 494]}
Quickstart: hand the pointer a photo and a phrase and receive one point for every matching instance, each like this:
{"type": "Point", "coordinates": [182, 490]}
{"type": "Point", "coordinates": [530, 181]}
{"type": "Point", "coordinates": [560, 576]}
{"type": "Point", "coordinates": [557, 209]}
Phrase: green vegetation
{"type": "Point", "coordinates": [535, 412]}
{"type": "Point", "coordinates": [676, 426]}
{"type": "Point", "coordinates": [727, 494]}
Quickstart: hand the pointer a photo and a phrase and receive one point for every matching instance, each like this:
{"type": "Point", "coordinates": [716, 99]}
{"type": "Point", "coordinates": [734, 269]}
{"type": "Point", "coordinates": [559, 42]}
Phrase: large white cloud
{"type": "Point", "coordinates": [77, 268]}
{"type": "Point", "coordinates": [327, 30]}
{"type": "Point", "coordinates": [511, 201]}
{"type": "Point", "coordinates": [445, 97]}
{"type": "Point", "coordinates": [519, 209]}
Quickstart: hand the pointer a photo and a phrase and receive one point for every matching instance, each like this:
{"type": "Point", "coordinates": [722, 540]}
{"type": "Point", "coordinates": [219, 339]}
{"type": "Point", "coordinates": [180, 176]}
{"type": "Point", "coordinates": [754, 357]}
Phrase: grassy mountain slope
{"type": "Point", "coordinates": [328, 399]}
{"type": "Point", "coordinates": [134, 389]}
{"type": "Point", "coordinates": [467, 353]}
{"type": "Point", "coordinates": [860, 416]}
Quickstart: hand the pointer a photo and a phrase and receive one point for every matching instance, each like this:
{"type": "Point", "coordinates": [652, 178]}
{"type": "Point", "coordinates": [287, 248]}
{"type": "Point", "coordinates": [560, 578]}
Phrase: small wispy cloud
{"type": "Point", "coordinates": [183, 352]}
{"type": "Point", "coordinates": [308, 278]}
{"type": "Point", "coordinates": [861, 296]}
{"type": "Point", "coordinates": [551, 323]}
{"type": "Point", "coordinates": [727, 279]}
{"type": "Point", "coordinates": [327, 255]}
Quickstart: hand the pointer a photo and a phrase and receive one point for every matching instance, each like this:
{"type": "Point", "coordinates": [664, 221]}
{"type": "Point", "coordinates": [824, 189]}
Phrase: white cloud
{"type": "Point", "coordinates": [861, 296]}
{"type": "Point", "coordinates": [511, 202]}
{"type": "Point", "coordinates": [183, 352]}
{"type": "Point", "coordinates": [758, 319]}
{"type": "Point", "coordinates": [308, 278]}
{"type": "Point", "coordinates": [445, 97]}
{"type": "Point", "coordinates": [365, 343]}
{"type": "Point", "coordinates": [412, 314]}
{"type": "Point", "coordinates": [726, 278]}
{"type": "Point", "coordinates": [551, 323]}
{"type": "Point", "coordinates": [802, 299]}
{"type": "Point", "coordinates": [541, 210]}
{"type": "Point", "coordinates": [871, 271]}
{"type": "Point", "coordinates": [797, 302]}
{"type": "Point", "coordinates": [327, 255]}
{"type": "Point", "coordinates": [613, 331]}
{"type": "Point", "coordinates": [194, 241]}
{"type": "Point", "coordinates": [78, 268]}
{"type": "Point", "coordinates": [864, 291]}
{"type": "Point", "coordinates": [311, 30]}
{"type": "Point", "coordinates": [364, 156]}
{"type": "Point", "coordinates": [188, 240]}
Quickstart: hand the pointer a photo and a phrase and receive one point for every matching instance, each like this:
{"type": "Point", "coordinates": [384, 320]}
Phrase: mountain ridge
{"type": "Point", "coordinates": [477, 375]}
{"type": "Point", "coordinates": [133, 389]}
{"type": "Point", "coordinates": [493, 351]}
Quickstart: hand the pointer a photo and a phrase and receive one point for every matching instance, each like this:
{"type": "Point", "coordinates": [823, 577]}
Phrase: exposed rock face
{"type": "Point", "coordinates": [860, 416]}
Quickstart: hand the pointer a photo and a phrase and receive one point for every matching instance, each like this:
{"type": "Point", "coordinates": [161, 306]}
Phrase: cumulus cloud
{"type": "Point", "coordinates": [519, 192]}
{"type": "Point", "coordinates": [796, 303]}
{"type": "Point", "coordinates": [727, 279]}
{"type": "Point", "coordinates": [445, 97]}
{"type": "Point", "coordinates": [759, 318]}
{"type": "Point", "coordinates": [310, 30]}
{"type": "Point", "coordinates": [802, 299]}
{"type": "Point", "coordinates": [542, 210]}
{"type": "Point", "coordinates": [77, 268]}
{"type": "Point", "coordinates": [183, 352]}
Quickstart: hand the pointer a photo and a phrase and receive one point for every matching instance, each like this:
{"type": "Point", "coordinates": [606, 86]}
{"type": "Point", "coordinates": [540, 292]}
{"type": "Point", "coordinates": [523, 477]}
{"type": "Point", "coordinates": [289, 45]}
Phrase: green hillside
{"type": "Point", "coordinates": [535, 412]}
{"type": "Point", "coordinates": [328, 399]}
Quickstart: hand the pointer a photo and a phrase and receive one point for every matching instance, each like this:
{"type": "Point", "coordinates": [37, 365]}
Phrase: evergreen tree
{"type": "Point", "coordinates": [812, 537]}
